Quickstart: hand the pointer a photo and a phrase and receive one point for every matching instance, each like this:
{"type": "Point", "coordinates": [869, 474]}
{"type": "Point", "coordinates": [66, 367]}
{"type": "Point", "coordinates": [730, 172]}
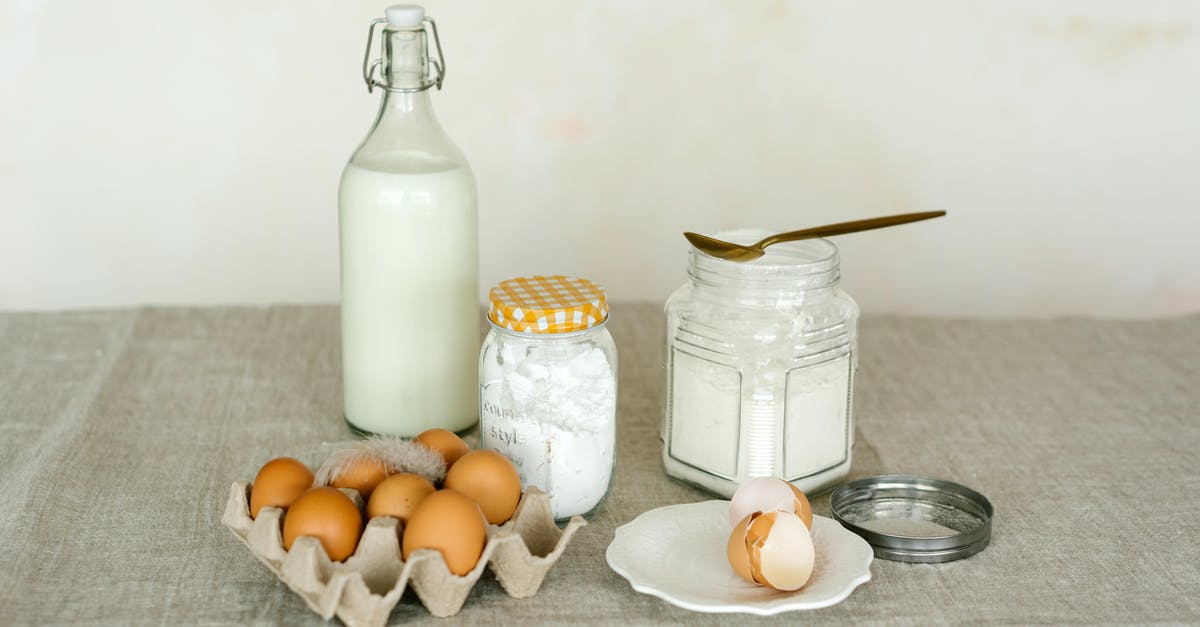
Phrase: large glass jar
{"type": "Point", "coordinates": [760, 369]}
{"type": "Point", "coordinates": [548, 388]}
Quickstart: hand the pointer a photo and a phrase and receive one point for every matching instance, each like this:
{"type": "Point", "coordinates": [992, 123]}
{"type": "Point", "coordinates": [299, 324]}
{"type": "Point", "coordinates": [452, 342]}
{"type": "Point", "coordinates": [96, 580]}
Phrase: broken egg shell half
{"type": "Point", "coordinates": [773, 549]}
{"type": "Point", "coordinates": [769, 494]}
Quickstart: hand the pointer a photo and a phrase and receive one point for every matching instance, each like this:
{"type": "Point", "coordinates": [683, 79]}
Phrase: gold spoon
{"type": "Point", "coordinates": [739, 253]}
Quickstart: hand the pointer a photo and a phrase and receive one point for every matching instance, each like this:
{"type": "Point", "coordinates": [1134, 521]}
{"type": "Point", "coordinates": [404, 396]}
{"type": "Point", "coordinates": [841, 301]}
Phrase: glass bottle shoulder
{"type": "Point", "coordinates": [407, 138]}
{"type": "Point", "coordinates": [396, 157]}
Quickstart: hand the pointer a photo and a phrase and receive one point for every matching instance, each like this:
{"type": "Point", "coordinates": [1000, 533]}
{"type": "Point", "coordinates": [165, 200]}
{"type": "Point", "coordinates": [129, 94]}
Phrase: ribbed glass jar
{"type": "Point", "coordinates": [760, 369]}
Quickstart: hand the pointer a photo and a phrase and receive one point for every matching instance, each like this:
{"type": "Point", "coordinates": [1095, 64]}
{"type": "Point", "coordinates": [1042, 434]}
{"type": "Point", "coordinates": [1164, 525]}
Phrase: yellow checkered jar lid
{"type": "Point", "coordinates": [547, 304]}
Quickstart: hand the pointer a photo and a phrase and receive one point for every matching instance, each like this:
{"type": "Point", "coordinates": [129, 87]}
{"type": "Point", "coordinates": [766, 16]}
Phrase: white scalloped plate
{"type": "Point", "coordinates": [677, 553]}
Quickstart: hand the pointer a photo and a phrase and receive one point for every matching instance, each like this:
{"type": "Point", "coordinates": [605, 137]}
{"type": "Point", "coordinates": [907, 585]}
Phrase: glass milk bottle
{"type": "Point", "coordinates": [760, 369]}
{"type": "Point", "coordinates": [409, 250]}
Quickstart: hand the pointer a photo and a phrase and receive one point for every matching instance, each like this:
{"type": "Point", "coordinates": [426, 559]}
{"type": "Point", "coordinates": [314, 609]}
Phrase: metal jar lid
{"type": "Point", "coordinates": [910, 518]}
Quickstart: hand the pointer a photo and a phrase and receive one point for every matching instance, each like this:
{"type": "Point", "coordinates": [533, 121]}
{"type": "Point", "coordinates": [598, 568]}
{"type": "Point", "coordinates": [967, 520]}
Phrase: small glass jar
{"type": "Point", "coordinates": [548, 388]}
{"type": "Point", "coordinates": [760, 369]}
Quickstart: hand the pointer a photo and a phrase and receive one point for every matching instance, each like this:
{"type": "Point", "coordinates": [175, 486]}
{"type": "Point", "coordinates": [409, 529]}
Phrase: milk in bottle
{"type": "Point", "coordinates": [409, 251]}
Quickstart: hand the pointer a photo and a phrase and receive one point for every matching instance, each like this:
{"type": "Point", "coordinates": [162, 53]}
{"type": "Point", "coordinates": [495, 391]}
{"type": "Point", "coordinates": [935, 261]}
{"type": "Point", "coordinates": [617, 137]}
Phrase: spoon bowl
{"type": "Point", "coordinates": [722, 249]}
{"type": "Point", "coordinates": [742, 253]}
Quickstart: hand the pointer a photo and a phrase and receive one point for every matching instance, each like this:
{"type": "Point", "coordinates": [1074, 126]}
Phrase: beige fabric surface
{"type": "Point", "coordinates": [121, 431]}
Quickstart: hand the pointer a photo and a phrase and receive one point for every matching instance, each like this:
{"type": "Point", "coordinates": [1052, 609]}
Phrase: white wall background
{"type": "Point", "coordinates": [172, 152]}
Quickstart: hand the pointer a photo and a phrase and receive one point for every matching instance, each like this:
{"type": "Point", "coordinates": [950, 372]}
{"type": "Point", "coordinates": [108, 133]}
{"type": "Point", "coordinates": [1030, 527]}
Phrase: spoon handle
{"type": "Point", "coordinates": [849, 227]}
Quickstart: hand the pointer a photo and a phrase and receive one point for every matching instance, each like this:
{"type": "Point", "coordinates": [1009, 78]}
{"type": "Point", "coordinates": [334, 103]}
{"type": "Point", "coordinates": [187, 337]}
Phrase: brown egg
{"type": "Point", "coordinates": [278, 483]}
{"type": "Point", "coordinates": [361, 473]}
{"type": "Point", "coordinates": [451, 523]}
{"type": "Point", "coordinates": [773, 549]}
{"type": "Point", "coordinates": [450, 446]}
{"type": "Point", "coordinates": [329, 516]}
{"type": "Point", "coordinates": [398, 496]}
{"type": "Point", "coordinates": [491, 480]}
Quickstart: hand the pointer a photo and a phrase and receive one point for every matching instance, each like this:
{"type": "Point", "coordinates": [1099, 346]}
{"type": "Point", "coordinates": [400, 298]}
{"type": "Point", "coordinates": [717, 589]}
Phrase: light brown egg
{"type": "Point", "coordinates": [450, 523]}
{"type": "Point", "coordinates": [398, 496]}
{"type": "Point", "coordinates": [279, 482]}
{"type": "Point", "coordinates": [362, 473]}
{"type": "Point", "coordinates": [450, 446]}
{"type": "Point", "coordinates": [489, 479]}
{"type": "Point", "coordinates": [328, 515]}
{"type": "Point", "coordinates": [773, 549]}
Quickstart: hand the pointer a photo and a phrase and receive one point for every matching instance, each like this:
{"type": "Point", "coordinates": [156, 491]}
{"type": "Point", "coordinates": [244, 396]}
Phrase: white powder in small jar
{"type": "Point", "coordinates": [548, 402]}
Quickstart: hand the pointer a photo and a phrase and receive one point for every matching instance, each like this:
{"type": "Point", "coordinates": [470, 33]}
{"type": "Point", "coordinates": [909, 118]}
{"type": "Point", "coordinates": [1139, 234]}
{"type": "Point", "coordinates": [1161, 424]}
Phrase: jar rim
{"type": "Point", "coordinates": [804, 264]}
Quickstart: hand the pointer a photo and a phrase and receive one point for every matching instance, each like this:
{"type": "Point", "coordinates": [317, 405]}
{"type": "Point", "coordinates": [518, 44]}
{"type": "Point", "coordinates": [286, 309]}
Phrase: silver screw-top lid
{"type": "Point", "coordinates": [910, 518]}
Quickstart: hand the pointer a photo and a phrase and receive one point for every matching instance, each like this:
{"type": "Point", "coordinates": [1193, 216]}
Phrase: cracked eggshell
{"type": "Point", "coordinates": [769, 494]}
{"type": "Point", "coordinates": [773, 549]}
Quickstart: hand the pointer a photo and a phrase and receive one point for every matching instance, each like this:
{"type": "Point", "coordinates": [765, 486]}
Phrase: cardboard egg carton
{"type": "Point", "coordinates": [362, 590]}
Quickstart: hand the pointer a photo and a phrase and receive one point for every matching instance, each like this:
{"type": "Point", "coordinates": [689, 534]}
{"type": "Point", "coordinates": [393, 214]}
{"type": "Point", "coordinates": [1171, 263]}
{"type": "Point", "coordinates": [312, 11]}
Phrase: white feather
{"type": "Point", "coordinates": [395, 453]}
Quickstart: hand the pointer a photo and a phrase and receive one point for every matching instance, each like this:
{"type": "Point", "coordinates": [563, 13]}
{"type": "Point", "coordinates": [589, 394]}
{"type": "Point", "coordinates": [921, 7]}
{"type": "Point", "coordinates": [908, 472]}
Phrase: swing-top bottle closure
{"type": "Point", "coordinates": [408, 17]}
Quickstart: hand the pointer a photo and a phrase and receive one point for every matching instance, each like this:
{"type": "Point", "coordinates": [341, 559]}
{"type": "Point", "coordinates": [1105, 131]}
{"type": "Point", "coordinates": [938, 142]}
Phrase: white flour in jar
{"type": "Point", "coordinates": [550, 407]}
{"type": "Point", "coordinates": [764, 412]}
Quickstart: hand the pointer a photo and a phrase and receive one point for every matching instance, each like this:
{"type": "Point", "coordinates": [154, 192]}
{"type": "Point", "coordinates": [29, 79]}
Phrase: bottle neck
{"type": "Point", "coordinates": [406, 58]}
{"type": "Point", "coordinates": [406, 66]}
{"type": "Point", "coordinates": [406, 135]}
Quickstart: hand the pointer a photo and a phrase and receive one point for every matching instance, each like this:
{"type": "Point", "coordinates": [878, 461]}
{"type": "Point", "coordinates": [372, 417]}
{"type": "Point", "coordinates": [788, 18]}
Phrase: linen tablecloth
{"type": "Point", "coordinates": [121, 431]}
